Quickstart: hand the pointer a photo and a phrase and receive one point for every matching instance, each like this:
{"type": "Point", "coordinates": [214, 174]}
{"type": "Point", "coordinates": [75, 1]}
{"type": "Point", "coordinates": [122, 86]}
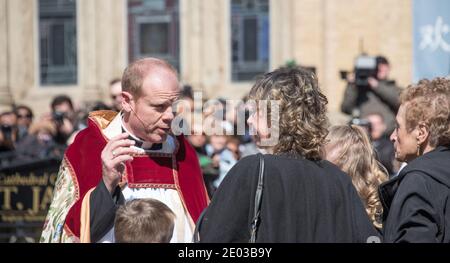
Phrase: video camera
{"type": "Point", "coordinates": [7, 131]}
{"type": "Point", "coordinates": [58, 117]}
{"type": "Point", "coordinates": [365, 67]}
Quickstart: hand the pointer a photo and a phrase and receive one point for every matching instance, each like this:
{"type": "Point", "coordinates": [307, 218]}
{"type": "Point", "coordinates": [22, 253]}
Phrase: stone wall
{"type": "Point", "coordinates": [326, 34]}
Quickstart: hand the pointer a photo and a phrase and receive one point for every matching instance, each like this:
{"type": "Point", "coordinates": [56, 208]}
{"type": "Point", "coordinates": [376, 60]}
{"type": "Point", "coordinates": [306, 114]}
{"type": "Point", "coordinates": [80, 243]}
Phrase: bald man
{"type": "Point", "coordinates": [128, 155]}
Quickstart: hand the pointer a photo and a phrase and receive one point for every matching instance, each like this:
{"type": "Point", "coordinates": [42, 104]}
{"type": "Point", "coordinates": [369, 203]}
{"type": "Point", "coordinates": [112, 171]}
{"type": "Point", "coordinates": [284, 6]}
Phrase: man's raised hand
{"type": "Point", "coordinates": [117, 151]}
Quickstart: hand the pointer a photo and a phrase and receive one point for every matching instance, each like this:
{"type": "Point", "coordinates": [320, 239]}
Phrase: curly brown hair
{"type": "Point", "coordinates": [428, 103]}
{"type": "Point", "coordinates": [302, 108]}
{"type": "Point", "coordinates": [349, 148]}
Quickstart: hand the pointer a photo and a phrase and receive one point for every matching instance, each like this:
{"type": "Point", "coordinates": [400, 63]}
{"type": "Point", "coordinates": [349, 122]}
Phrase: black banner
{"type": "Point", "coordinates": [26, 191]}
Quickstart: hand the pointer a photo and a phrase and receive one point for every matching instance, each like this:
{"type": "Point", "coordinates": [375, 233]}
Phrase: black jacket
{"type": "Point", "coordinates": [385, 153]}
{"type": "Point", "coordinates": [302, 201]}
{"type": "Point", "coordinates": [416, 203]}
{"type": "Point", "coordinates": [384, 100]}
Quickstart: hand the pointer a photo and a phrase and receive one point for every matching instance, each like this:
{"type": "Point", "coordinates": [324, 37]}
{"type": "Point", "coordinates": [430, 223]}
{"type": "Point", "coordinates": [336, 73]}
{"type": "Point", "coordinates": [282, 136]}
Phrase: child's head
{"type": "Point", "coordinates": [144, 221]}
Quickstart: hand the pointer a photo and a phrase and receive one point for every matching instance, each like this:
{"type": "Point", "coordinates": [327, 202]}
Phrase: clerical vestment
{"type": "Point", "coordinates": [171, 174]}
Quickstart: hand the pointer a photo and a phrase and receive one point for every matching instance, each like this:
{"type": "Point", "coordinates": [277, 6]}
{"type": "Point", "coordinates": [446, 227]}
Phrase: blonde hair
{"type": "Point", "coordinates": [144, 221]}
{"type": "Point", "coordinates": [350, 149]}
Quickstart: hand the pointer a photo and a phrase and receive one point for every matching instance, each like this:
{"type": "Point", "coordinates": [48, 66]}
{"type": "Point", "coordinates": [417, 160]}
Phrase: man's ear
{"type": "Point", "coordinates": [127, 102]}
{"type": "Point", "coordinates": [422, 133]}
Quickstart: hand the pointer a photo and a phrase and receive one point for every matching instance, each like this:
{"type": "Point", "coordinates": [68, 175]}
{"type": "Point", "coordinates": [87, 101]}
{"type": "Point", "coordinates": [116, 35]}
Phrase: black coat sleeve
{"type": "Point", "coordinates": [227, 219]}
{"type": "Point", "coordinates": [102, 211]}
{"type": "Point", "coordinates": [412, 216]}
{"type": "Point", "coordinates": [363, 229]}
{"type": "Point", "coordinates": [389, 93]}
{"type": "Point", "coordinates": [350, 99]}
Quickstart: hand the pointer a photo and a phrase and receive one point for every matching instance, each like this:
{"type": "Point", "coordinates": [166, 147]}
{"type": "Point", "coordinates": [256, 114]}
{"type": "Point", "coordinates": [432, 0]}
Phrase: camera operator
{"type": "Point", "coordinates": [8, 131]}
{"type": "Point", "coordinates": [24, 119]}
{"type": "Point", "coordinates": [372, 93]}
{"type": "Point", "coordinates": [64, 118]}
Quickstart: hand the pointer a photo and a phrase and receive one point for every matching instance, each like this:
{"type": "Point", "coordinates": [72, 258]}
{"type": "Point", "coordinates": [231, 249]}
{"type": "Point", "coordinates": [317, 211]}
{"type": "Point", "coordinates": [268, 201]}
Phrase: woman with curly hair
{"type": "Point", "coordinates": [349, 148]}
{"type": "Point", "coordinates": [416, 203]}
{"type": "Point", "coordinates": [304, 198]}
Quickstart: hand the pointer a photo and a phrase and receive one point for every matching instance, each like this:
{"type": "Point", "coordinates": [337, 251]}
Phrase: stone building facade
{"type": "Point", "coordinates": [325, 34]}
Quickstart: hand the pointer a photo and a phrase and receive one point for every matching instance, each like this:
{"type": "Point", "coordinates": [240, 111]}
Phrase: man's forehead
{"type": "Point", "coordinates": [160, 79]}
{"type": "Point", "coordinates": [162, 96]}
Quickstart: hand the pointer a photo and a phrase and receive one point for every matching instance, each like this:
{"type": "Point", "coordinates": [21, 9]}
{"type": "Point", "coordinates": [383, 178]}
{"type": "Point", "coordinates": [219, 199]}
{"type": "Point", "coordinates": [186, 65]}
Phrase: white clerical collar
{"type": "Point", "coordinates": [116, 127]}
{"type": "Point", "coordinates": [168, 146]}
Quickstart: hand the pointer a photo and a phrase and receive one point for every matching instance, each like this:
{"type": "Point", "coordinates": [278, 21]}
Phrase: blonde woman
{"type": "Point", "coordinates": [350, 149]}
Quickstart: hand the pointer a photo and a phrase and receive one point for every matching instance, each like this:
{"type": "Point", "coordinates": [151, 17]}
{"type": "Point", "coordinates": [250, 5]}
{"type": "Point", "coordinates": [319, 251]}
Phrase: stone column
{"type": "Point", "coordinates": [330, 38]}
{"type": "Point", "coordinates": [282, 33]}
{"type": "Point", "coordinates": [111, 43]}
{"type": "Point", "coordinates": [87, 48]}
{"type": "Point", "coordinates": [191, 33]}
{"type": "Point", "coordinates": [18, 65]}
{"type": "Point", "coordinates": [214, 45]}
{"type": "Point", "coordinates": [5, 94]}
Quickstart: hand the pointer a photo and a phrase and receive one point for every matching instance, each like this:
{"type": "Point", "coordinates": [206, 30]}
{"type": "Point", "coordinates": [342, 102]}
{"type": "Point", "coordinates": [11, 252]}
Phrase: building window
{"type": "Point", "coordinates": [57, 42]}
{"type": "Point", "coordinates": [153, 30]}
{"type": "Point", "coordinates": [249, 38]}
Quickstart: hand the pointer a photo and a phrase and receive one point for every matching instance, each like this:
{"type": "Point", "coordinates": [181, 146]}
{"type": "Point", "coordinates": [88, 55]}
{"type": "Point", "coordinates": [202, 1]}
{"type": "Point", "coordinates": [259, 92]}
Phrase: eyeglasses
{"type": "Point", "coordinates": [28, 116]}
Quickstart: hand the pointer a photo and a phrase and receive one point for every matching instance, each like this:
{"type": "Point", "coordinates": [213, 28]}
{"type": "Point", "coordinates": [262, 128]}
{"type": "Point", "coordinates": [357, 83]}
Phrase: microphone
{"type": "Point", "coordinates": [148, 127]}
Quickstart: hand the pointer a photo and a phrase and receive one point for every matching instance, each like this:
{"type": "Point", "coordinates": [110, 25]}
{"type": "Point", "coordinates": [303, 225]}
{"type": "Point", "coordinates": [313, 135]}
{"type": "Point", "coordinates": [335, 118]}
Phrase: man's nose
{"type": "Point", "coordinates": [168, 115]}
{"type": "Point", "coordinates": [393, 136]}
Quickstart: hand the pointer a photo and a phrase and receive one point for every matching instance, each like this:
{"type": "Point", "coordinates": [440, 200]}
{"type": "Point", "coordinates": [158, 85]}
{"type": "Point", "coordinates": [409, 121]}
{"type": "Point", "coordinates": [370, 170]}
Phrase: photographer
{"type": "Point", "coordinates": [369, 90]}
{"type": "Point", "coordinates": [24, 119]}
{"type": "Point", "coordinates": [39, 144]}
{"type": "Point", "coordinates": [64, 118]}
{"type": "Point", "coordinates": [8, 131]}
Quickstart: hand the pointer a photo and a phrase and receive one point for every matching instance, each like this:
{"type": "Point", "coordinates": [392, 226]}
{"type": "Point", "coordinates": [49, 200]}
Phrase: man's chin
{"type": "Point", "coordinates": [156, 138]}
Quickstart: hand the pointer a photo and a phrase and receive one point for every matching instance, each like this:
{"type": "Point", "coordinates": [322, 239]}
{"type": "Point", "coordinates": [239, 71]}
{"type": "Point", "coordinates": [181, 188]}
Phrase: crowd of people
{"type": "Point", "coordinates": [134, 180]}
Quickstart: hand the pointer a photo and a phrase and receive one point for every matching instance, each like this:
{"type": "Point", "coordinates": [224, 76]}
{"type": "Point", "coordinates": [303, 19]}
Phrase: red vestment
{"type": "Point", "coordinates": [179, 170]}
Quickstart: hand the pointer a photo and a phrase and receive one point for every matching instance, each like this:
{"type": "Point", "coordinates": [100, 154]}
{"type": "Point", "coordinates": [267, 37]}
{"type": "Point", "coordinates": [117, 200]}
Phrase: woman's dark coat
{"type": "Point", "coordinates": [303, 201]}
{"type": "Point", "coordinates": [416, 203]}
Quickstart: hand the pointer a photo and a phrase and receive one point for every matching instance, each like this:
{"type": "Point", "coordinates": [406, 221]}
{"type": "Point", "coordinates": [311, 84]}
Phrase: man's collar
{"type": "Point", "coordinates": [142, 144]}
{"type": "Point", "coordinates": [138, 141]}
{"type": "Point", "coordinates": [115, 128]}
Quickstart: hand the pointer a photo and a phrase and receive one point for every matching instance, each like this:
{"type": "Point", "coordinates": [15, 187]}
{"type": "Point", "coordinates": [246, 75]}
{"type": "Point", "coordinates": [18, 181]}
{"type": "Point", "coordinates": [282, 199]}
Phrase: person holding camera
{"type": "Point", "coordinates": [8, 131]}
{"type": "Point", "coordinates": [63, 116]}
{"type": "Point", "coordinates": [369, 92]}
{"type": "Point", "coordinates": [24, 120]}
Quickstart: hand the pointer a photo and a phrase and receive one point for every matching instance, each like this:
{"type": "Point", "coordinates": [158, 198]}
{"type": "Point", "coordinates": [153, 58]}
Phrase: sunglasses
{"type": "Point", "coordinates": [28, 116]}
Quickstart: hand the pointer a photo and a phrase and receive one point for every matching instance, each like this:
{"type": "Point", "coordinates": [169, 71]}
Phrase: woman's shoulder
{"type": "Point", "coordinates": [289, 160]}
{"type": "Point", "coordinates": [249, 160]}
{"type": "Point", "coordinates": [288, 163]}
